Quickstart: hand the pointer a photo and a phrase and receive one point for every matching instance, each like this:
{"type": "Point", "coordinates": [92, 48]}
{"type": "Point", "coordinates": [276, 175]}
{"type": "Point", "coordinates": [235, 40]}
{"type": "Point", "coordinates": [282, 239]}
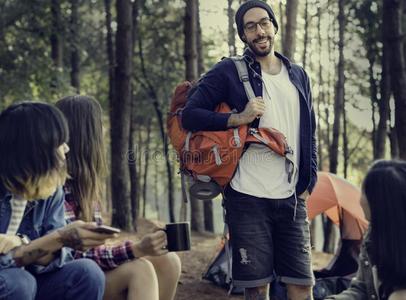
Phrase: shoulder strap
{"type": "Point", "coordinates": [243, 74]}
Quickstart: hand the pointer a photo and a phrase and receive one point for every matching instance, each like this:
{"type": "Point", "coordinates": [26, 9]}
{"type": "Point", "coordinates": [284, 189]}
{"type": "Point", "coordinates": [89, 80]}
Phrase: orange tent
{"type": "Point", "coordinates": [340, 201]}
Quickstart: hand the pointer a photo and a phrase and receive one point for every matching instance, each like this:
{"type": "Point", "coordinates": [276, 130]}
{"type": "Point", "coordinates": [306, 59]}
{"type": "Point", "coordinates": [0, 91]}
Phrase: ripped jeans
{"type": "Point", "coordinates": [268, 237]}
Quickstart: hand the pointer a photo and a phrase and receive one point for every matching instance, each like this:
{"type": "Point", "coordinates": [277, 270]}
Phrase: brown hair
{"type": "Point", "coordinates": [86, 159]}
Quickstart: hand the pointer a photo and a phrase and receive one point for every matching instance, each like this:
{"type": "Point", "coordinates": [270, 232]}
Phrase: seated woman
{"type": "Point", "coordinates": [134, 270]}
{"type": "Point", "coordinates": [382, 270]}
{"type": "Point", "coordinates": [33, 261]}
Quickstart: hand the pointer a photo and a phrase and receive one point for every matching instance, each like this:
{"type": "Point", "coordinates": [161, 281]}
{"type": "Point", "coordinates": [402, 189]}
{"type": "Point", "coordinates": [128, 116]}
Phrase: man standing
{"type": "Point", "coordinates": [265, 207]}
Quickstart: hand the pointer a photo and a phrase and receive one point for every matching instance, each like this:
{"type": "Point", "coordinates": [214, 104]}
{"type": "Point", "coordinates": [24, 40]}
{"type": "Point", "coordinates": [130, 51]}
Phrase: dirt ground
{"type": "Point", "coordinates": [195, 262]}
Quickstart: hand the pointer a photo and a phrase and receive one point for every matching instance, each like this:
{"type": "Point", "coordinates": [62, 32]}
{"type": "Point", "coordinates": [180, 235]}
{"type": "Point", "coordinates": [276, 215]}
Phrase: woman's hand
{"type": "Point", "coordinates": [79, 236]}
{"type": "Point", "coordinates": [8, 242]}
{"type": "Point", "coordinates": [152, 244]}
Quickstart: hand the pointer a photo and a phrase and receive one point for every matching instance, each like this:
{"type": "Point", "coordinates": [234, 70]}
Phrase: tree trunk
{"type": "Point", "coordinates": [281, 24]}
{"type": "Point", "coordinates": [306, 33]}
{"type": "Point", "coordinates": [190, 31]}
{"type": "Point", "coordinates": [345, 142]}
{"type": "Point", "coordinates": [56, 35]}
{"type": "Point", "coordinates": [110, 53]}
{"type": "Point", "coordinates": [385, 91]}
{"type": "Point", "coordinates": [208, 215]}
{"type": "Point", "coordinates": [329, 233]}
{"type": "Point", "coordinates": [232, 50]}
{"type": "Point", "coordinates": [289, 42]}
{"type": "Point", "coordinates": [199, 44]}
{"type": "Point", "coordinates": [393, 12]}
{"type": "Point", "coordinates": [111, 64]}
{"type": "Point", "coordinates": [191, 74]}
{"type": "Point", "coordinates": [132, 167]}
{"type": "Point", "coordinates": [339, 97]}
{"type": "Point", "coordinates": [156, 189]}
{"type": "Point", "coordinates": [120, 123]}
{"type": "Point", "coordinates": [153, 94]}
{"type": "Point", "coordinates": [394, 146]}
{"type": "Point", "coordinates": [132, 151]}
{"type": "Point", "coordinates": [321, 92]}
{"type": "Point", "coordinates": [146, 167]}
{"type": "Point", "coordinates": [74, 43]}
{"type": "Point", "coordinates": [56, 43]}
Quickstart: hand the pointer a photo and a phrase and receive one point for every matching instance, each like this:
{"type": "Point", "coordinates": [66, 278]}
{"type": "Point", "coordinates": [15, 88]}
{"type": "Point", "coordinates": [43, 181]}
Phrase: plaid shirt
{"type": "Point", "coordinates": [107, 257]}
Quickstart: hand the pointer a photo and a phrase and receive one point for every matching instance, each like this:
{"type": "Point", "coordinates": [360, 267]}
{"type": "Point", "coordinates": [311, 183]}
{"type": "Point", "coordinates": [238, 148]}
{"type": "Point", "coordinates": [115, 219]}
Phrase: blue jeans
{"type": "Point", "coordinates": [80, 279]}
{"type": "Point", "coordinates": [268, 236]}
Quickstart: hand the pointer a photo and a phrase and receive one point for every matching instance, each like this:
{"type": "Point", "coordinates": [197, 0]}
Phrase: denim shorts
{"type": "Point", "coordinates": [269, 238]}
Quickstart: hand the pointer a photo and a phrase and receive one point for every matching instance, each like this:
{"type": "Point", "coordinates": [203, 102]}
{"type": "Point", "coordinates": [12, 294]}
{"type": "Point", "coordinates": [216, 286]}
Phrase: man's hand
{"type": "Point", "coordinates": [8, 242]}
{"type": "Point", "coordinates": [79, 236]}
{"type": "Point", "coordinates": [152, 244]}
{"type": "Point", "coordinates": [255, 108]}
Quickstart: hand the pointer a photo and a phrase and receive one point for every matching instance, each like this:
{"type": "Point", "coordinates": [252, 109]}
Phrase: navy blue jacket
{"type": "Point", "coordinates": [222, 84]}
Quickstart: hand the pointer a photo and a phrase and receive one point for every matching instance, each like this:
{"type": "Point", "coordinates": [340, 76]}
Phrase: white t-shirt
{"type": "Point", "coordinates": [261, 172]}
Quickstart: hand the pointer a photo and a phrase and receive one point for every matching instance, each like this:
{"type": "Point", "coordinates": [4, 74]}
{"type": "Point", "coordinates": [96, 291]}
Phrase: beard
{"type": "Point", "coordinates": [257, 50]}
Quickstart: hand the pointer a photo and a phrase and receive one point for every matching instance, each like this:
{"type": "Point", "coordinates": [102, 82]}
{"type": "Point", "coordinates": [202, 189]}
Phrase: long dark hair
{"type": "Point", "coordinates": [86, 159]}
{"type": "Point", "coordinates": [30, 133]}
{"type": "Point", "coordinates": [385, 190]}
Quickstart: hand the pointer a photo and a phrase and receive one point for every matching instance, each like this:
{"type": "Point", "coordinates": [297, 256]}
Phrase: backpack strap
{"type": "Point", "coordinates": [243, 74]}
{"type": "Point", "coordinates": [244, 78]}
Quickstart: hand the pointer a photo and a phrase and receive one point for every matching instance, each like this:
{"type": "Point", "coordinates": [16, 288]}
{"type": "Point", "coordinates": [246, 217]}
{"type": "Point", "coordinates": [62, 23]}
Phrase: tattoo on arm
{"type": "Point", "coordinates": [71, 238]}
{"type": "Point", "coordinates": [257, 293]}
{"type": "Point", "coordinates": [26, 258]}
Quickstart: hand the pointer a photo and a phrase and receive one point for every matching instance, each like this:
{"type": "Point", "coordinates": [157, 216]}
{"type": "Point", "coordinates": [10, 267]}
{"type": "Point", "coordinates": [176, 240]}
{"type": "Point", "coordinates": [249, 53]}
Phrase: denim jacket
{"type": "Point", "coordinates": [222, 84]}
{"type": "Point", "coordinates": [40, 218]}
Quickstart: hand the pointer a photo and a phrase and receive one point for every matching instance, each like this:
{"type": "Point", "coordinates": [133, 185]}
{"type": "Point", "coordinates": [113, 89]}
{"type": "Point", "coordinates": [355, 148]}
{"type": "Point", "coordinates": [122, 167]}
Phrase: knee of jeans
{"type": "Point", "coordinates": [17, 284]}
{"type": "Point", "coordinates": [88, 272]}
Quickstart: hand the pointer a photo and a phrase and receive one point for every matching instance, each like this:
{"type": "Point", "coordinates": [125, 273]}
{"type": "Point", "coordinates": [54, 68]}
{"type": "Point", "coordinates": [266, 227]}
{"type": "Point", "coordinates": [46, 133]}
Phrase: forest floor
{"type": "Point", "coordinates": [196, 261]}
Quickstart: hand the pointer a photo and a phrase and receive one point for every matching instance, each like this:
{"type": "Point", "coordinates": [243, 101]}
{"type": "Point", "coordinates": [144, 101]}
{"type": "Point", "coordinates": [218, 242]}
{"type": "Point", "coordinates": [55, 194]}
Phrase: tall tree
{"type": "Point", "coordinates": [132, 155]}
{"type": "Point", "coordinates": [385, 91]}
{"type": "Point", "coordinates": [120, 121]}
{"type": "Point", "coordinates": [190, 30]}
{"type": "Point", "coordinates": [289, 41]}
{"type": "Point", "coordinates": [306, 33]}
{"type": "Point", "coordinates": [199, 43]}
{"type": "Point", "coordinates": [339, 91]}
{"type": "Point", "coordinates": [56, 34]}
{"type": "Point", "coordinates": [74, 46]}
{"type": "Point", "coordinates": [152, 92]}
{"type": "Point", "coordinates": [321, 98]}
{"type": "Point", "coordinates": [146, 167]}
{"type": "Point", "coordinates": [56, 43]}
{"type": "Point", "coordinates": [191, 74]}
{"type": "Point", "coordinates": [392, 16]}
{"type": "Point", "coordinates": [231, 30]}
{"type": "Point", "coordinates": [338, 111]}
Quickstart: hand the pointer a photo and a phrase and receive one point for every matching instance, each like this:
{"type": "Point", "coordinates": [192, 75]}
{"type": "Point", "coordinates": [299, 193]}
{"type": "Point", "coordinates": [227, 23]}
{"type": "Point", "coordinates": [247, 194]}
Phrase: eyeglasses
{"type": "Point", "coordinates": [264, 23]}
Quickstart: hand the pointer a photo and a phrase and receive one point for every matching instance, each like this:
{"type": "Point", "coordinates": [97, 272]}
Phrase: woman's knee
{"type": "Point", "coordinates": [17, 284]}
{"type": "Point", "coordinates": [172, 264]}
{"type": "Point", "coordinates": [140, 267]}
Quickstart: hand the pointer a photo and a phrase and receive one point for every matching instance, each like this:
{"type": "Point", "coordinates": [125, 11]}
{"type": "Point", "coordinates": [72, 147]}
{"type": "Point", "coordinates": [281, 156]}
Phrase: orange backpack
{"type": "Point", "coordinates": [210, 158]}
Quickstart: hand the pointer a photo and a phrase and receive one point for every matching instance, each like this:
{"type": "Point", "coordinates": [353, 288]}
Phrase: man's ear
{"type": "Point", "coordinates": [244, 39]}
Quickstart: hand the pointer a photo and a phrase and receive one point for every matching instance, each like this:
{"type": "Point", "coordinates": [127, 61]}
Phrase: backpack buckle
{"type": "Point", "coordinates": [244, 78]}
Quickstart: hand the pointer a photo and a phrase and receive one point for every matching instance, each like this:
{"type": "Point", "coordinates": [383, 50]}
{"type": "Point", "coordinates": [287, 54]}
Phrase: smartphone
{"type": "Point", "coordinates": [106, 229]}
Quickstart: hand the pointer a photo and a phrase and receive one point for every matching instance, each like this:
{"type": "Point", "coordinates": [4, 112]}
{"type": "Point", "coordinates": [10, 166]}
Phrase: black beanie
{"type": "Point", "coordinates": [239, 16]}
